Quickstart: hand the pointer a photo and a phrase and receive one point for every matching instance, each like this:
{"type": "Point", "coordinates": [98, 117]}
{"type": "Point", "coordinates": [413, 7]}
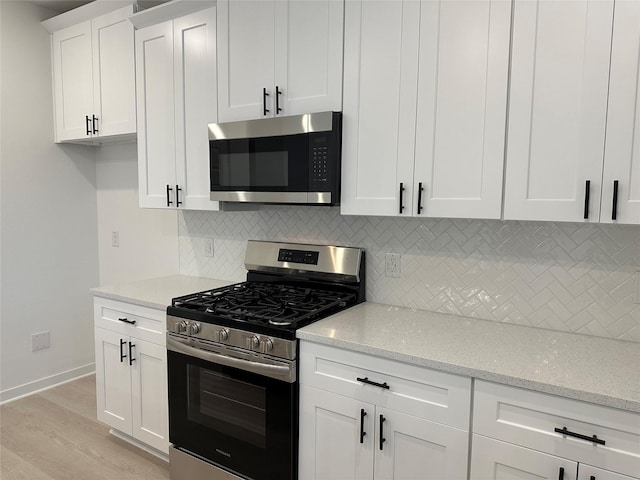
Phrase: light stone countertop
{"type": "Point", "coordinates": [592, 369]}
{"type": "Point", "coordinates": [158, 292]}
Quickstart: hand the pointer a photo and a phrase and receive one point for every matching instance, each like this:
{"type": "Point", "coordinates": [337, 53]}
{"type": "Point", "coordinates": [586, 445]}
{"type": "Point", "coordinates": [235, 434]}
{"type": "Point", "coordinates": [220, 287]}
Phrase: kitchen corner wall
{"type": "Point", "coordinates": [562, 276]}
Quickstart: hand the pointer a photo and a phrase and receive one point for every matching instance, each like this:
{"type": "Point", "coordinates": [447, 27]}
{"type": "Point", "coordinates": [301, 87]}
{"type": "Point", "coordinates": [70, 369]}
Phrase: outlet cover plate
{"type": "Point", "coordinates": [208, 247]}
{"type": "Point", "coordinates": [40, 341]}
{"type": "Point", "coordinates": [392, 265]}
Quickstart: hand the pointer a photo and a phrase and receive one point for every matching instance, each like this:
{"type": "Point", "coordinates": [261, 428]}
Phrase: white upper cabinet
{"type": "Point", "coordinates": [622, 148]}
{"type": "Point", "coordinates": [176, 98]}
{"type": "Point", "coordinates": [558, 109]}
{"type": "Point", "coordinates": [93, 78]}
{"type": "Point", "coordinates": [279, 57]}
{"type": "Point", "coordinates": [425, 92]}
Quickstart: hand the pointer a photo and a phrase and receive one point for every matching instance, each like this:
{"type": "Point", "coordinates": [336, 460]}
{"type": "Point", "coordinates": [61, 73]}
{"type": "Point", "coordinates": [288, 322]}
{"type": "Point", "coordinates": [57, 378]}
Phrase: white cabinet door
{"type": "Point", "coordinates": [495, 460]}
{"type": "Point", "coordinates": [72, 77]}
{"type": "Point", "coordinates": [114, 101]}
{"type": "Point", "coordinates": [379, 112]}
{"type": "Point", "coordinates": [330, 436]}
{"type": "Point", "coordinates": [587, 472]}
{"type": "Point", "coordinates": [245, 56]}
{"type": "Point", "coordinates": [150, 417]}
{"type": "Point", "coordinates": [113, 380]}
{"type": "Point", "coordinates": [196, 105]}
{"type": "Point", "coordinates": [462, 103]}
{"type": "Point", "coordinates": [155, 107]}
{"type": "Point", "coordinates": [308, 56]}
{"type": "Point", "coordinates": [557, 113]}
{"type": "Point", "coordinates": [414, 448]}
{"type": "Point", "coordinates": [622, 149]}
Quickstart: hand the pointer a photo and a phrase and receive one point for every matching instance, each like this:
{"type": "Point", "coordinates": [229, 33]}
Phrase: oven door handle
{"type": "Point", "coordinates": [279, 372]}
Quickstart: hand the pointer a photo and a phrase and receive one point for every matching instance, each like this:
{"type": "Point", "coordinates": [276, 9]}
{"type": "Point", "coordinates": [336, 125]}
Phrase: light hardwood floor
{"type": "Point", "coordinates": [54, 435]}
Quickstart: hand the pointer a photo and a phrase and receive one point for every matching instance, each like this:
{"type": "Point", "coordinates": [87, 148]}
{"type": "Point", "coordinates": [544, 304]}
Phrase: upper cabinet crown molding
{"type": "Point", "coordinates": [169, 11]}
{"type": "Point", "coordinates": [84, 13]}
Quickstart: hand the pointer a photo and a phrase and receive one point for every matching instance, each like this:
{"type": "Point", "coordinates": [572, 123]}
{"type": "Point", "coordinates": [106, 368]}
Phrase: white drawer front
{"type": "Point", "coordinates": [528, 418]}
{"type": "Point", "coordinates": [418, 391]}
{"type": "Point", "coordinates": [129, 319]}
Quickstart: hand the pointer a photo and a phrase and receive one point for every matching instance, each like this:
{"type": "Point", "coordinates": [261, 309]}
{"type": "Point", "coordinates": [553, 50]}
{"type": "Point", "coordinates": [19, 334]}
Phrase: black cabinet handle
{"type": "Point", "coordinates": [131, 359]}
{"type": "Point", "coordinates": [561, 474]}
{"type": "Point", "coordinates": [614, 209]}
{"type": "Point", "coordinates": [125, 320]}
{"type": "Point", "coordinates": [382, 439]}
{"type": "Point", "coordinates": [587, 191]}
{"type": "Point", "coordinates": [122, 354]}
{"type": "Point", "coordinates": [169, 202]}
{"type": "Point", "coordinates": [420, 190]}
{"type": "Point", "coordinates": [592, 477]}
{"type": "Point", "coordinates": [93, 121]}
{"type": "Point", "coordinates": [362, 432]}
{"type": "Point", "coordinates": [401, 191]}
{"type": "Point", "coordinates": [178, 190]}
{"type": "Point", "coordinates": [278, 92]}
{"type": "Point", "coordinates": [568, 433]}
{"type": "Point", "coordinates": [375, 384]}
{"type": "Point", "coordinates": [87, 120]}
{"type": "Point", "coordinates": [264, 102]}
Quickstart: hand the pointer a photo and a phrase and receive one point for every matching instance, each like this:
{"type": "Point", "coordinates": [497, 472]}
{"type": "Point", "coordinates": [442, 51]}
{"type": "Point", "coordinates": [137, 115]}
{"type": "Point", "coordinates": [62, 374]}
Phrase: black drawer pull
{"type": "Point", "coordinates": [375, 384]}
{"type": "Point", "coordinates": [126, 320]}
{"type": "Point", "coordinates": [569, 433]}
{"type": "Point", "coordinates": [362, 432]}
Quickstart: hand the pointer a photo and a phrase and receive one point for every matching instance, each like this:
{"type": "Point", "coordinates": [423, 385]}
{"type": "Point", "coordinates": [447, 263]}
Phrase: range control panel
{"type": "Point", "coordinates": [298, 256]}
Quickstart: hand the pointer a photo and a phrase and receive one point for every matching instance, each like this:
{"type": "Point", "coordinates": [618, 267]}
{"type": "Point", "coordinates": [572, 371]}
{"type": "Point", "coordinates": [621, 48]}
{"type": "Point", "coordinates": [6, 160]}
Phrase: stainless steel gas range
{"type": "Point", "coordinates": [233, 383]}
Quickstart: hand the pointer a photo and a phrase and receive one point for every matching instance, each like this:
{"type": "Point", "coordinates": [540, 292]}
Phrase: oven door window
{"type": "Point", "coordinates": [266, 164]}
{"type": "Point", "coordinates": [241, 421]}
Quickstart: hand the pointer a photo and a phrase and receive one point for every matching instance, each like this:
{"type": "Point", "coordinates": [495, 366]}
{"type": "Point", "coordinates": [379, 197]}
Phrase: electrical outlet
{"type": "Point", "coordinates": [636, 297]}
{"type": "Point", "coordinates": [208, 247]}
{"type": "Point", "coordinates": [115, 239]}
{"type": "Point", "coordinates": [392, 265]}
{"type": "Point", "coordinates": [40, 341]}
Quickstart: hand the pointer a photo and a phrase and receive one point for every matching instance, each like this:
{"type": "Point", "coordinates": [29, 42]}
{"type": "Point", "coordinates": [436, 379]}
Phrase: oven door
{"type": "Point", "coordinates": [241, 421]}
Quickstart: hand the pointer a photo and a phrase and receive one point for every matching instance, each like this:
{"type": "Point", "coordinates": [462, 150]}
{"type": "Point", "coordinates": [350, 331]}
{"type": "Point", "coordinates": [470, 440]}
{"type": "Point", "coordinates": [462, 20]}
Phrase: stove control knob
{"type": "Point", "coordinates": [253, 342]}
{"type": "Point", "coordinates": [267, 345]}
{"type": "Point", "coordinates": [194, 328]}
{"type": "Point", "coordinates": [181, 327]}
{"type": "Point", "coordinates": [224, 335]}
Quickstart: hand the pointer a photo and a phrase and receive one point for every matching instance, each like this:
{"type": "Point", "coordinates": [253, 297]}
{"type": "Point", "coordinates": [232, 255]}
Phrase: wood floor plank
{"type": "Point", "coordinates": [47, 433]}
{"type": "Point", "coordinates": [14, 467]}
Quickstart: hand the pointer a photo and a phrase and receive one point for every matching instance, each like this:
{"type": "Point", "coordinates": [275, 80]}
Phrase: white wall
{"type": "Point", "coordinates": [48, 216]}
{"type": "Point", "coordinates": [148, 237]}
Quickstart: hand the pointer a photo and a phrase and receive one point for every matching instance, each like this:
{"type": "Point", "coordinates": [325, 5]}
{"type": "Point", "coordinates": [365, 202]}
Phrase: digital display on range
{"type": "Point", "coordinates": [298, 256]}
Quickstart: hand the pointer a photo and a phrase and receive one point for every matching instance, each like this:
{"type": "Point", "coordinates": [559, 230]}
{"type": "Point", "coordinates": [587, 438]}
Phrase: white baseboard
{"type": "Point", "coordinates": [15, 393]}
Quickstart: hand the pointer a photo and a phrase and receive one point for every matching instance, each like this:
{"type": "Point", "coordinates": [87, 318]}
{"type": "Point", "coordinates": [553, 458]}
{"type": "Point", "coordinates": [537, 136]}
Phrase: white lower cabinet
{"type": "Point", "coordinates": [521, 434]}
{"type": "Point", "coordinates": [349, 431]}
{"type": "Point", "coordinates": [131, 372]}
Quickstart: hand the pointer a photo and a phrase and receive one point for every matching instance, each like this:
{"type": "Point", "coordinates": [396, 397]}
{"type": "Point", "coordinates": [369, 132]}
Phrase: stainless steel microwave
{"type": "Point", "coordinates": [294, 159]}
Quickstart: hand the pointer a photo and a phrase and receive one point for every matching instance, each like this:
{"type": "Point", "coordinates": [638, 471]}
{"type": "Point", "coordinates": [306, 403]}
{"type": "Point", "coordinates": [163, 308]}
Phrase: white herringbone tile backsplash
{"type": "Point", "coordinates": [563, 276]}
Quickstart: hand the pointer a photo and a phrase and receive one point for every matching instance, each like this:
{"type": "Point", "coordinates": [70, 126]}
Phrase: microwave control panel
{"type": "Point", "coordinates": [320, 174]}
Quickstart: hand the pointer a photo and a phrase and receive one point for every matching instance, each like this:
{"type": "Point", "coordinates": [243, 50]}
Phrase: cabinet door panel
{"type": "Point", "coordinates": [557, 115]}
{"type": "Point", "coordinates": [379, 113]}
{"type": "Point", "coordinates": [622, 149]}
{"type": "Point", "coordinates": [418, 449]}
{"type": "Point", "coordinates": [329, 444]}
{"type": "Point", "coordinates": [196, 105]}
{"type": "Point", "coordinates": [72, 76]}
{"type": "Point", "coordinates": [113, 380]}
{"type": "Point", "coordinates": [462, 98]}
{"type": "Point", "coordinates": [155, 107]}
{"type": "Point", "coordinates": [245, 53]}
{"type": "Point", "coordinates": [587, 472]}
{"type": "Point", "coordinates": [495, 460]}
{"type": "Point", "coordinates": [308, 55]}
{"type": "Point", "coordinates": [114, 101]}
{"type": "Point", "coordinates": [150, 417]}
